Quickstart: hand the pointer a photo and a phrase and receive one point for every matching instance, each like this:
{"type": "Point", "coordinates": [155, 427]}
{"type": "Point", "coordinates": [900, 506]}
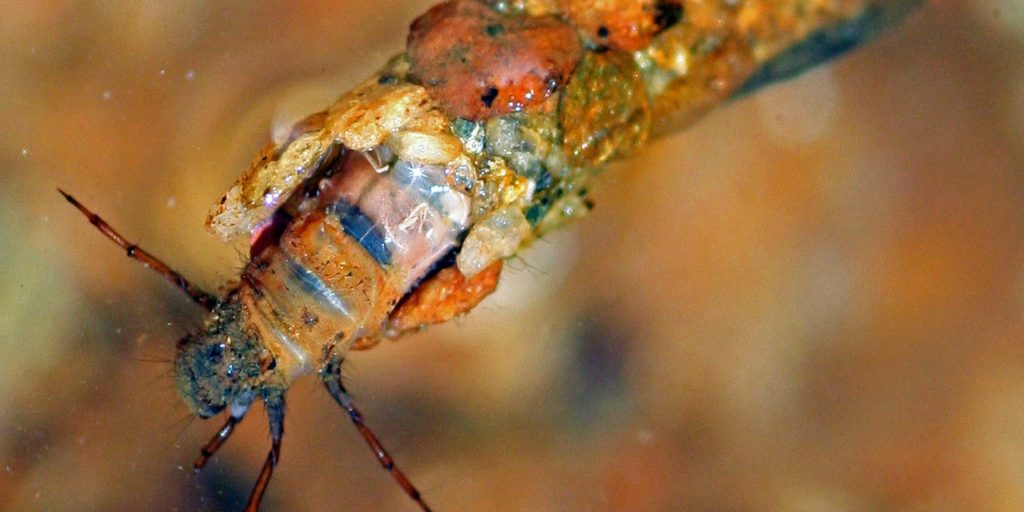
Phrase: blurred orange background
{"type": "Point", "coordinates": [811, 300]}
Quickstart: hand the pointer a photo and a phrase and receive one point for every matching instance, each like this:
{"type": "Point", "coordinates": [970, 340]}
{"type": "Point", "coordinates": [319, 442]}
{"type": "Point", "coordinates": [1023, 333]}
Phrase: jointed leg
{"type": "Point", "coordinates": [274, 403]}
{"type": "Point", "coordinates": [331, 375]}
{"type": "Point", "coordinates": [218, 439]}
{"type": "Point", "coordinates": [135, 252]}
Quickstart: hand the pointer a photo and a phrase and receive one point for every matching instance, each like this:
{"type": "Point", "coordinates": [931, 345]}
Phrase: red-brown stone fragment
{"type": "Point", "coordinates": [443, 297]}
{"type": "Point", "coordinates": [479, 63]}
{"type": "Point", "coordinates": [626, 25]}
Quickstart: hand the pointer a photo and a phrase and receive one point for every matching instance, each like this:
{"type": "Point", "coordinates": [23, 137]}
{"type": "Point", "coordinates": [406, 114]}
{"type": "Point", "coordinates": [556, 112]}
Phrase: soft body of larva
{"type": "Point", "coordinates": [395, 207]}
{"type": "Point", "coordinates": [338, 270]}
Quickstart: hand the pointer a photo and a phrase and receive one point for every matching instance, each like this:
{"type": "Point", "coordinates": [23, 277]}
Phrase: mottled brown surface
{"type": "Point", "coordinates": [719, 44]}
{"type": "Point", "coordinates": [479, 63]}
{"type": "Point", "coordinates": [276, 171]}
{"type": "Point", "coordinates": [811, 300]}
{"type": "Point", "coordinates": [604, 112]}
{"type": "Point", "coordinates": [364, 117]}
{"type": "Point", "coordinates": [443, 297]}
{"type": "Point", "coordinates": [619, 24]}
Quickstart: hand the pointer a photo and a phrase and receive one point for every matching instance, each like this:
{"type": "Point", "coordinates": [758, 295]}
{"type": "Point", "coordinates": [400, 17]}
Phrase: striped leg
{"type": "Point", "coordinates": [218, 439]}
{"type": "Point", "coordinates": [274, 403]}
{"type": "Point", "coordinates": [139, 254]}
{"type": "Point", "coordinates": [331, 375]}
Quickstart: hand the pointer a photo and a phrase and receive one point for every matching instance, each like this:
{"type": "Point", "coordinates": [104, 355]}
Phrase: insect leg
{"type": "Point", "coordinates": [273, 401]}
{"type": "Point", "coordinates": [331, 375]}
{"type": "Point", "coordinates": [218, 439]}
{"type": "Point", "coordinates": [139, 254]}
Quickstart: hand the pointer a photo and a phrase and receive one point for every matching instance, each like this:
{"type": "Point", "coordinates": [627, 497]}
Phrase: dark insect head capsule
{"type": "Point", "coordinates": [220, 368]}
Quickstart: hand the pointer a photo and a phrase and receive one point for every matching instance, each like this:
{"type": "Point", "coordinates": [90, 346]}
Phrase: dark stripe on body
{"type": "Point", "coordinates": [309, 281]}
{"type": "Point", "coordinates": [445, 261]}
{"type": "Point", "coordinates": [364, 230]}
{"type": "Point", "coordinates": [313, 285]}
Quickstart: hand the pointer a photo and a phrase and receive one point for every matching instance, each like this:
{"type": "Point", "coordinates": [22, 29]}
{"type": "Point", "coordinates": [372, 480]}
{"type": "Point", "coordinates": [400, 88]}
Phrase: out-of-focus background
{"type": "Point", "coordinates": [812, 300]}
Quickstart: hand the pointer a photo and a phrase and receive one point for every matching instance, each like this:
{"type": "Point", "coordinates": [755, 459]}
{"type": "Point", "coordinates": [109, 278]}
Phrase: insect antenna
{"type": "Point", "coordinates": [331, 375]}
{"type": "Point", "coordinates": [139, 254]}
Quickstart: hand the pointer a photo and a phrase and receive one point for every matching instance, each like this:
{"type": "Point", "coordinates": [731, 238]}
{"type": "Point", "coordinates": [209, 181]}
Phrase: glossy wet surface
{"type": "Point", "coordinates": [810, 300]}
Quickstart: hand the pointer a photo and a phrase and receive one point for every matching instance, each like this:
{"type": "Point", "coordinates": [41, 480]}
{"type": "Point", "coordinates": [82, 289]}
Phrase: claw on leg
{"type": "Point", "coordinates": [215, 442]}
{"type": "Point", "coordinates": [274, 403]}
{"type": "Point", "coordinates": [331, 375]}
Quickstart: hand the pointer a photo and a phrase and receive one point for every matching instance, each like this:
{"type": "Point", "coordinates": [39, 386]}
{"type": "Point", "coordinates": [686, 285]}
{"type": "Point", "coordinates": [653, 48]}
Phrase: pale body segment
{"type": "Point", "coordinates": [365, 217]}
{"type": "Point", "coordinates": [345, 220]}
{"type": "Point", "coordinates": [339, 270]}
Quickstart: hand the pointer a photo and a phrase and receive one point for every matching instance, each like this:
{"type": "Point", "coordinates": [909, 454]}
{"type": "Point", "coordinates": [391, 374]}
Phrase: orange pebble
{"type": "Point", "coordinates": [626, 25]}
{"type": "Point", "coordinates": [479, 63]}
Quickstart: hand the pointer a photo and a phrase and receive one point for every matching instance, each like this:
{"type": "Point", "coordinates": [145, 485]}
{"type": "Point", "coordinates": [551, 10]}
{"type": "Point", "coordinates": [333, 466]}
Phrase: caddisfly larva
{"type": "Point", "coordinates": [394, 208]}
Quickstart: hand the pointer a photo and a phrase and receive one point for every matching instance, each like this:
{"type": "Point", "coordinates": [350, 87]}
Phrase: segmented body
{"type": "Point", "coordinates": [340, 268]}
{"type": "Point", "coordinates": [481, 137]}
{"type": "Point", "coordinates": [395, 207]}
